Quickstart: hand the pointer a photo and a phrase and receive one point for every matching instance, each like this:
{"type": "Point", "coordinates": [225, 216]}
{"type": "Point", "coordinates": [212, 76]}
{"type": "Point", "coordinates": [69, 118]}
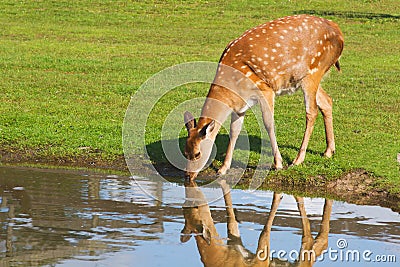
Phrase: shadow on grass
{"type": "Point", "coordinates": [164, 168]}
{"type": "Point", "coordinates": [349, 14]}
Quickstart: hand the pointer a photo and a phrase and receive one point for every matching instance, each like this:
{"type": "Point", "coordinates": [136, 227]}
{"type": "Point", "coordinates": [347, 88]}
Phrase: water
{"type": "Point", "coordinates": [54, 218]}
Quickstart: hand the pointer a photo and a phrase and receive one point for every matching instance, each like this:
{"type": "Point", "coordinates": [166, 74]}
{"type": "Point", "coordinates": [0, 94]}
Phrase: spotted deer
{"type": "Point", "coordinates": [215, 252]}
{"type": "Point", "coordinates": [272, 59]}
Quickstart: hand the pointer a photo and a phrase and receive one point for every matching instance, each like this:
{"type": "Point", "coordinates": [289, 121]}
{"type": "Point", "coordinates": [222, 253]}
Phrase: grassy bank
{"type": "Point", "coordinates": [68, 70]}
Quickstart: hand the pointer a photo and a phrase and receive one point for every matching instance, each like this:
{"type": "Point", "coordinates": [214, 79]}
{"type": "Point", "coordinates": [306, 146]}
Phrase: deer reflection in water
{"type": "Point", "coordinates": [213, 250]}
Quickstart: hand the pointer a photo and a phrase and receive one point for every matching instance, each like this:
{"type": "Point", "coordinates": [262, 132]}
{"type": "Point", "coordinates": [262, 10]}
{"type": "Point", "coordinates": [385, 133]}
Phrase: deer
{"type": "Point", "coordinates": [213, 250]}
{"type": "Point", "coordinates": [275, 58]}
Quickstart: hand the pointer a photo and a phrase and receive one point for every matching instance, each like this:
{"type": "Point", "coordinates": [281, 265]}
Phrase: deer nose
{"type": "Point", "coordinates": [190, 176]}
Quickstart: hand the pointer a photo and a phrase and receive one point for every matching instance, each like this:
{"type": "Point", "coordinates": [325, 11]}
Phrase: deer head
{"type": "Point", "coordinates": [198, 143]}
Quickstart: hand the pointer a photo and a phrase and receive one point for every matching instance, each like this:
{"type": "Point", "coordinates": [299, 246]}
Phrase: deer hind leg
{"type": "Point", "coordinates": [235, 128]}
{"type": "Point", "coordinates": [267, 108]}
{"type": "Point", "coordinates": [263, 247]}
{"type": "Point", "coordinates": [324, 102]}
{"type": "Point", "coordinates": [321, 241]}
{"type": "Point", "coordinates": [310, 101]}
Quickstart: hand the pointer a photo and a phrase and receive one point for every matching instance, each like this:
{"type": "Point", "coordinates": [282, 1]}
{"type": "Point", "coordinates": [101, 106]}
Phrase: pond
{"type": "Point", "coordinates": [60, 218]}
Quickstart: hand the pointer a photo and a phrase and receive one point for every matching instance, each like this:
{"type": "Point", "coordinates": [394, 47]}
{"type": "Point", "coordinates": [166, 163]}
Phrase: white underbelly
{"type": "Point", "coordinates": [287, 90]}
{"type": "Point", "coordinates": [249, 103]}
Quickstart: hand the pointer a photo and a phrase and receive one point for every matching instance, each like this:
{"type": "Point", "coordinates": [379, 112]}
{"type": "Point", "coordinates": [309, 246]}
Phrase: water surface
{"type": "Point", "coordinates": [54, 218]}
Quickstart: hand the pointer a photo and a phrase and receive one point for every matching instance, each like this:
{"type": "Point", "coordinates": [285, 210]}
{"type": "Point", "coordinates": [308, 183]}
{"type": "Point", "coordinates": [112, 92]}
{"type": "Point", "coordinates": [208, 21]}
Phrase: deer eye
{"type": "Point", "coordinates": [197, 155]}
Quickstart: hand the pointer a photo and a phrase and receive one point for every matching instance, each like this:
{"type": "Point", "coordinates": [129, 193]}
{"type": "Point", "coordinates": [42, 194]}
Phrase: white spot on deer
{"type": "Point", "coordinates": [266, 55]}
{"type": "Point", "coordinates": [273, 50]}
{"type": "Point", "coordinates": [259, 59]}
{"type": "Point", "coordinates": [281, 37]}
{"type": "Point", "coordinates": [278, 45]}
{"type": "Point", "coordinates": [248, 74]}
{"type": "Point", "coordinates": [243, 67]}
{"type": "Point", "coordinates": [295, 38]}
{"type": "Point", "coordinates": [313, 60]}
{"type": "Point", "coordinates": [272, 58]}
{"type": "Point", "coordinates": [312, 71]}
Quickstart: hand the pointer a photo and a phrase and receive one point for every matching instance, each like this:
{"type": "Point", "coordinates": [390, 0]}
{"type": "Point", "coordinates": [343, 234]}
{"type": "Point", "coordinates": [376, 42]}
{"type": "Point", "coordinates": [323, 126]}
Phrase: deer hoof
{"type": "Point", "coordinates": [222, 170]}
{"type": "Point", "coordinates": [329, 153]}
{"type": "Point", "coordinates": [278, 167]}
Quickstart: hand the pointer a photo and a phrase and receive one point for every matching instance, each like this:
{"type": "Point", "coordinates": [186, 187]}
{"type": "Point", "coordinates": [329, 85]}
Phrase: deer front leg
{"type": "Point", "coordinates": [324, 102]}
{"type": "Point", "coordinates": [232, 223]}
{"type": "Point", "coordinates": [267, 108]}
{"type": "Point", "coordinates": [310, 101]}
{"type": "Point", "coordinates": [306, 241]}
{"type": "Point", "coordinates": [235, 128]}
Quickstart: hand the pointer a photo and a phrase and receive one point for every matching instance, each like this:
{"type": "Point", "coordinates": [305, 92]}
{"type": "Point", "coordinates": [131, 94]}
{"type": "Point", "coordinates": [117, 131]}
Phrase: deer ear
{"type": "Point", "coordinates": [206, 234]}
{"type": "Point", "coordinates": [207, 129]}
{"type": "Point", "coordinates": [185, 235]}
{"type": "Point", "coordinates": [190, 122]}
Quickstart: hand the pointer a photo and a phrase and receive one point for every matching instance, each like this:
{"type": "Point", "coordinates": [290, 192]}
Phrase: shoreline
{"type": "Point", "coordinates": [356, 186]}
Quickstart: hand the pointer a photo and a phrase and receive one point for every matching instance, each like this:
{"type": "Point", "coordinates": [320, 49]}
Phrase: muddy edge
{"type": "Point", "coordinates": [357, 186]}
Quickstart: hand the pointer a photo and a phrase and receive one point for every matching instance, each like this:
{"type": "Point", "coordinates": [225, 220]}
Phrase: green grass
{"type": "Point", "coordinates": [69, 68]}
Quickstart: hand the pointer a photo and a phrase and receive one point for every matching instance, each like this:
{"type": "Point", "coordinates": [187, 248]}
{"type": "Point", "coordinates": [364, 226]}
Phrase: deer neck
{"type": "Point", "coordinates": [216, 107]}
